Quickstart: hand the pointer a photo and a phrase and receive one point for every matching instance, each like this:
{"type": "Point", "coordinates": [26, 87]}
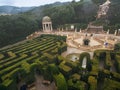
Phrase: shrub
{"type": "Point", "coordinates": [117, 47]}
{"type": "Point", "coordinates": [11, 54]}
{"type": "Point", "coordinates": [87, 56]}
{"type": "Point", "coordinates": [61, 58]}
{"type": "Point", "coordinates": [104, 74]}
{"type": "Point", "coordinates": [108, 62]}
{"type": "Point", "coordinates": [26, 67]}
{"type": "Point", "coordinates": [66, 70]}
{"type": "Point", "coordinates": [78, 85]}
{"type": "Point", "coordinates": [111, 85]}
{"type": "Point", "coordinates": [55, 51]}
{"type": "Point", "coordinates": [29, 78]}
{"type": "Point", "coordinates": [47, 74]}
{"type": "Point", "coordinates": [100, 54]}
{"type": "Point", "coordinates": [76, 76]}
{"type": "Point", "coordinates": [60, 82]}
{"type": "Point", "coordinates": [86, 41]}
{"type": "Point", "coordinates": [2, 87]}
{"type": "Point", "coordinates": [62, 48]}
{"type": "Point", "coordinates": [53, 69]}
{"type": "Point", "coordinates": [1, 56]}
{"type": "Point", "coordinates": [116, 76]}
{"type": "Point", "coordinates": [118, 63]}
{"type": "Point", "coordinates": [49, 57]}
{"type": "Point", "coordinates": [84, 54]}
{"type": "Point", "coordinates": [9, 85]}
{"type": "Point", "coordinates": [93, 83]}
{"type": "Point", "coordinates": [95, 66]}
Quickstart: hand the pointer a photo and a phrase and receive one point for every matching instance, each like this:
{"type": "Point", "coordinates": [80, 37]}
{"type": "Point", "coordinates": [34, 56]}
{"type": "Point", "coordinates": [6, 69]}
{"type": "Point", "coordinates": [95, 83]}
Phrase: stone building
{"type": "Point", "coordinates": [94, 29]}
{"type": "Point", "coordinates": [47, 24]}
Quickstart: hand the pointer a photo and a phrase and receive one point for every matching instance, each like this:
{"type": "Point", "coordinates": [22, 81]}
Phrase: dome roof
{"type": "Point", "coordinates": [46, 19]}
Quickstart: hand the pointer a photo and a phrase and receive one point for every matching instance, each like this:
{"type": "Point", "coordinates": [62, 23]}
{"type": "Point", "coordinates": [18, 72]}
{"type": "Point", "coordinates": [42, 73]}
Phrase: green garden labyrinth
{"type": "Point", "coordinates": [43, 56]}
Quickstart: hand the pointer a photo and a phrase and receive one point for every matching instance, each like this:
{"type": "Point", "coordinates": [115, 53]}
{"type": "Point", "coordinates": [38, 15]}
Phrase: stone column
{"type": "Point", "coordinates": [108, 31]}
{"type": "Point", "coordinates": [43, 26]}
{"type": "Point", "coordinates": [119, 31]}
{"type": "Point", "coordinates": [80, 30]}
{"type": "Point", "coordinates": [51, 27]}
{"type": "Point", "coordinates": [47, 27]}
{"type": "Point", "coordinates": [115, 32]}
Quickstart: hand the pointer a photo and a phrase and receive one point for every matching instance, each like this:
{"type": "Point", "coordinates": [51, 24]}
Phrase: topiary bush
{"type": "Point", "coordinates": [87, 56]}
{"type": "Point", "coordinates": [60, 82]}
{"type": "Point", "coordinates": [117, 47]}
{"type": "Point", "coordinates": [93, 83]}
{"type": "Point", "coordinates": [86, 42]}
{"type": "Point", "coordinates": [108, 62]}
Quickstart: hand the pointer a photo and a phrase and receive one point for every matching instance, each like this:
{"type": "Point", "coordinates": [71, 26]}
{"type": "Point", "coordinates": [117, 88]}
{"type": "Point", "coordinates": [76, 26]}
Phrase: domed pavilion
{"type": "Point", "coordinates": [47, 24]}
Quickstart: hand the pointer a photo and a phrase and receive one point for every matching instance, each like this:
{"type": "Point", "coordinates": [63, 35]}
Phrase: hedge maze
{"type": "Point", "coordinates": [107, 77]}
{"type": "Point", "coordinates": [18, 62]}
{"type": "Point", "coordinates": [93, 77]}
{"type": "Point", "coordinates": [42, 56]}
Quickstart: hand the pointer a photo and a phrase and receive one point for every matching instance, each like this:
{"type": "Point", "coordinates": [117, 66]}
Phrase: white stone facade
{"type": "Point", "coordinates": [47, 24]}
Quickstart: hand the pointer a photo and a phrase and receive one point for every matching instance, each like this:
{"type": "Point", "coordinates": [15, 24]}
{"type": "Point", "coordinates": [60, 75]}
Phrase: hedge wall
{"type": "Point", "coordinates": [87, 55]}
{"type": "Point", "coordinates": [108, 62]}
{"type": "Point", "coordinates": [111, 85]}
{"type": "Point", "coordinates": [118, 63]}
{"type": "Point", "coordinates": [60, 82]}
{"type": "Point", "coordinates": [92, 82]}
{"type": "Point", "coordinates": [78, 85]}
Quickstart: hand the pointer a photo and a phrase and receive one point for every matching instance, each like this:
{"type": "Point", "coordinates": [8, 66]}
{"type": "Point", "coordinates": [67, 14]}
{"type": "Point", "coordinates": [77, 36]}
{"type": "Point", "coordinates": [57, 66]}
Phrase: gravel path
{"type": "Point", "coordinates": [40, 86]}
{"type": "Point", "coordinates": [71, 50]}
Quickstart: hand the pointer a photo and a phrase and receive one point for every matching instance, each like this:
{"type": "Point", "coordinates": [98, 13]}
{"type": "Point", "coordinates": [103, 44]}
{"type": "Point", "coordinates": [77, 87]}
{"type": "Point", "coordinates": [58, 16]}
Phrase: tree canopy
{"type": "Point", "coordinates": [16, 27]}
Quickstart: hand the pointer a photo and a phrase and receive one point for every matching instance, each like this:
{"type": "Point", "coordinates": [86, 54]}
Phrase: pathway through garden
{"type": "Point", "coordinates": [113, 69]}
{"type": "Point", "coordinates": [40, 86]}
{"type": "Point", "coordinates": [101, 64]}
{"type": "Point", "coordinates": [71, 50]}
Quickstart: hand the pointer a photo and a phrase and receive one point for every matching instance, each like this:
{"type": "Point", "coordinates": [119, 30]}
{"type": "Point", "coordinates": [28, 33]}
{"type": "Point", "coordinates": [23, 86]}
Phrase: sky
{"type": "Point", "coordinates": [28, 3]}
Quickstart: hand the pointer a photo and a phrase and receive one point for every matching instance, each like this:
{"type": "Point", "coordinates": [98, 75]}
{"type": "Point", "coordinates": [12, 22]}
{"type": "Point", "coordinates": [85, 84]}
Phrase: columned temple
{"type": "Point", "coordinates": [47, 24]}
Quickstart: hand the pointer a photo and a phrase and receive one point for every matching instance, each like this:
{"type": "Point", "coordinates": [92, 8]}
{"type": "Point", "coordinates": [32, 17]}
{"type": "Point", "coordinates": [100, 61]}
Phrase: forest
{"type": "Point", "coordinates": [14, 28]}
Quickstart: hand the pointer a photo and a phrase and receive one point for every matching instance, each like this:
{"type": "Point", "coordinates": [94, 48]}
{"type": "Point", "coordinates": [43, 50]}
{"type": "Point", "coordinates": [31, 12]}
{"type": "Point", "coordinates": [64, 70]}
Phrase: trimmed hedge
{"type": "Point", "coordinates": [53, 69]}
{"type": "Point", "coordinates": [87, 55]}
{"type": "Point", "coordinates": [60, 82]}
{"type": "Point", "coordinates": [25, 66]}
{"type": "Point", "coordinates": [2, 87]}
{"type": "Point", "coordinates": [1, 56]}
{"type": "Point", "coordinates": [66, 70]}
{"type": "Point", "coordinates": [49, 57]}
{"type": "Point", "coordinates": [76, 76]}
{"type": "Point", "coordinates": [11, 54]}
{"type": "Point", "coordinates": [95, 67]}
{"type": "Point", "coordinates": [78, 85]}
{"type": "Point", "coordinates": [111, 85]}
{"type": "Point", "coordinates": [93, 83]}
{"type": "Point", "coordinates": [118, 63]}
{"type": "Point", "coordinates": [62, 48]}
{"type": "Point", "coordinates": [117, 47]}
{"type": "Point", "coordinates": [9, 85]}
{"type": "Point", "coordinates": [108, 62]}
{"type": "Point", "coordinates": [23, 60]}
